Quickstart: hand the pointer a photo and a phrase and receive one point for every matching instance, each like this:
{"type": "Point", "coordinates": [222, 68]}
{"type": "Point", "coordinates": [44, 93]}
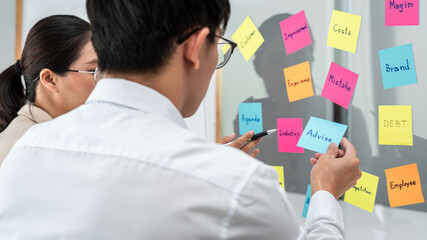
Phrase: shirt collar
{"type": "Point", "coordinates": [136, 96]}
{"type": "Point", "coordinates": [34, 113]}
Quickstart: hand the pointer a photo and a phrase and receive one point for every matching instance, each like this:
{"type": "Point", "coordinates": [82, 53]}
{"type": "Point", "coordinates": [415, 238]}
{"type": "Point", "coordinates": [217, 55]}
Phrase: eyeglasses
{"type": "Point", "coordinates": [225, 47]}
{"type": "Point", "coordinates": [96, 74]}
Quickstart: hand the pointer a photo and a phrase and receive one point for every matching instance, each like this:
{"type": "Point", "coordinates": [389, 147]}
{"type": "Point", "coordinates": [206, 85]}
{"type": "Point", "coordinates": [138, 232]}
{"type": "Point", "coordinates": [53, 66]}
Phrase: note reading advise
{"type": "Point", "coordinates": [339, 85]}
{"type": "Point", "coordinates": [395, 125]}
{"type": "Point", "coordinates": [250, 117]}
{"type": "Point", "coordinates": [248, 38]}
{"type": "Point", "coordinates": [319, 133]}
{"type": "Point", "coordinates": [295, 32]}
{"type": "Point", "coordinates": [344, 31]}
{"type": "Point", "coordinates": [364, 192]}
{"type": "Point", "coordinates": [403, 185]}
{"type": "Point", "coordinates": [298, 82]}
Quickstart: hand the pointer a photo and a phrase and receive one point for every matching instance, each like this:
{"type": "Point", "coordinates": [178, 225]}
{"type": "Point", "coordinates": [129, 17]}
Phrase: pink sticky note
{"type": "Point", "coordinates": [295, 32]}
{"type": "Point", "coordinates": [339, 85]}
{"type": "Point", "coordinates": [289, 131]}
{"type": "Point", "coordinates": [402, 12]}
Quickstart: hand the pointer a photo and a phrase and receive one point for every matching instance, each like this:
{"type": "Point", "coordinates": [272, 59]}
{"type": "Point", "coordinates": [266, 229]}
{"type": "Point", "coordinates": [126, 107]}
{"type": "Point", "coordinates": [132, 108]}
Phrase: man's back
{"type": "Point", "coordinates": [123, 166]}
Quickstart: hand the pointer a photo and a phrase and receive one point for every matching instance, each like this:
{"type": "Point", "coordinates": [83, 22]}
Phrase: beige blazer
{"type": "Point", "coordinates": [28, 116]}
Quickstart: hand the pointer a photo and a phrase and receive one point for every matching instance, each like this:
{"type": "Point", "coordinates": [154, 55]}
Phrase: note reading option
{"type": "Point", "coordinates": [250, 117]}
{"type": "Point", "coordinates": [403, 185]}
{"type": "Point", "coordinates": [344, 31]}
{"type": "Point", "coordinates": [280, 172]}
{"type": "Point", "coordinates": [298, 82]}
{"type": "Point", "coordinates": [398, 66]}
{"type": "Point", "coordinates": [319, 133]}
{"type": "Point", "coordinates": [248, 38]}
{"type": "Point", "coordinates": [295, 32]}
{"type": "Point", "coordinates": [289, 131]}
{"type": "Point", "coordinates": [306, 201]}
{"type": "Point", "coordinates": [402, 12]}
{"type": "Point", "coordinates": [395, 125]}
{"type": "Point", "coordinates": [364, 192]}
{"type": "Point", "coordinates": [339, 85]}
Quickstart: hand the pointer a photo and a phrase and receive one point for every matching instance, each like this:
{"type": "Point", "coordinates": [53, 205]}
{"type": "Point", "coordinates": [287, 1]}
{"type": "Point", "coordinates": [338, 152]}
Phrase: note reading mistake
{"type": "Point", "coordinates": [250, 117]}
{"type": "Point", "coordinates": [306, 201]}
{"type": "Point", "coordinates": [298, 82]}
{"type": "Point", "coordinates": [402, 12]}
{"type": "Point", "coordinates": [395, 125]}
{"type": "Point", "coordinates": [344, 31]}
{"type": "Point", "coordinates": [248, 38]}
{"type": "Point", "coordinates": [289, 131]}
{"type": "Point", "coordinates": [403, 185]}
{"type": "Point", "coordinates": [339, 85]}
{"type": "Point", "coordinates": [280, 172]}
{"type": "Point", "coordinates": [319, 133]}
{"type": "Point", "coordinates": [363, 194]}
{"type": "Point", "coordinates": [295, 32]}
{"type": "Point", "coordinates": [398, 66]}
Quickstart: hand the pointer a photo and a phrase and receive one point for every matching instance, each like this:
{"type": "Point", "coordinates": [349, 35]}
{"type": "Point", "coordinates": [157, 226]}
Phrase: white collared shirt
{"type": "Point", "coordinates": [124, 166]}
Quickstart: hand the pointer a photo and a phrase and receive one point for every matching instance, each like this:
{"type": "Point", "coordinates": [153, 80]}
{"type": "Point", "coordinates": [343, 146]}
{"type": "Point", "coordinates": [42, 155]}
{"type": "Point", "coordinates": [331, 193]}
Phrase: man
{"type": "Point", "coordinates": [124, 166]}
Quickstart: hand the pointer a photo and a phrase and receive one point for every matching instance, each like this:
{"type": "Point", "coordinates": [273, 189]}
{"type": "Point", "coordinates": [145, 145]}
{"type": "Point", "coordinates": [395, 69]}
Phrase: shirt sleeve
{"type": "Point", "coordinates": [263, 211]}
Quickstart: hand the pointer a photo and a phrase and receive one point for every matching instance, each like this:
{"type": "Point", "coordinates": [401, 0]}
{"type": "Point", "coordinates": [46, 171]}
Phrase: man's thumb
{"type": "Point", "coordinates": [332, 150]}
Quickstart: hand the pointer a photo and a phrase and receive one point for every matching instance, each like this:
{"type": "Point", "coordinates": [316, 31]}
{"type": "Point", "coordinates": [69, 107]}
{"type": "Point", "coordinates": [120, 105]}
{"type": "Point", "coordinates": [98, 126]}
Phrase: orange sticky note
{"type": "Point", "coordinates": [298, 81]}
{"type": "Point", "coordinates": [404, 186]}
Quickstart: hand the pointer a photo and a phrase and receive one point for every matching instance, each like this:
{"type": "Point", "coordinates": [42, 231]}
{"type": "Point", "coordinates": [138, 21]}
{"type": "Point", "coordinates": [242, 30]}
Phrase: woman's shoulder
{"type": "Point", "coordinates": [13, 133]}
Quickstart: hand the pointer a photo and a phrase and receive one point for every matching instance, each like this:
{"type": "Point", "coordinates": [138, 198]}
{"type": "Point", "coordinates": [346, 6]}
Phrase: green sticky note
{"type": "Point", "coordinates": [248, 38]}
{"type": "Point", "coordinates": [363, 193]}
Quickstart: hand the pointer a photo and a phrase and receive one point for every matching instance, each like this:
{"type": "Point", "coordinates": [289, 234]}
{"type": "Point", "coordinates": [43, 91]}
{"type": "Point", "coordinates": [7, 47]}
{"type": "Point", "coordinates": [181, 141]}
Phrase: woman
{"type": "Point", "coordinates": [54, 75]}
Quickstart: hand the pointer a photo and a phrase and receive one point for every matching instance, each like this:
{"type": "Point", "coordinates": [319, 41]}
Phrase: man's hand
{"type": "Point", "coordinates": [242, 143]}
{"type": "Point", "coordinates": [337, 170]}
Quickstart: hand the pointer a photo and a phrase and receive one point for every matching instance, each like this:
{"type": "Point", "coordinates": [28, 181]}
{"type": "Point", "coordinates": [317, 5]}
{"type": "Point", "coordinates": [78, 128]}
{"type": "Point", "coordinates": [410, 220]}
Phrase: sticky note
{"type": "Point", "coordinates": [280, 171]}
{"type": "Point", "coordinates": [364, 192]}
{"type": "Point", "coordinates": [402, 12]}
{"type": "Point", "coordinates": [319, 133]}
{"type": "Point", "coordinates": [344, 31]}
{"type": "Point", "coordinates": [339, 85]}
{"type": "Point", "coordinates": [250, 117]}
{"type": "Point", "coordinates": [395, 125]}
{"type": "Point", "coordinates": [398, 66]}
{"type": "Point", "coordinates": [248, 38]}
{"type": "Point", "coordinates": [289, 131]}
{"type": "Point", "coordinates": [298, 82]}
{"type": "Point", "coordinates": [404, 185]}
{"type": "Point", "coordinates": [306, 201]}
{"type": "Point", "coordinates": [295, 32]}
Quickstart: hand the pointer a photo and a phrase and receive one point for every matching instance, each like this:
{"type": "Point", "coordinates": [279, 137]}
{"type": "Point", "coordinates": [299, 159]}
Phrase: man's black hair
{"type": "Point", "coordinates": [139, 36]}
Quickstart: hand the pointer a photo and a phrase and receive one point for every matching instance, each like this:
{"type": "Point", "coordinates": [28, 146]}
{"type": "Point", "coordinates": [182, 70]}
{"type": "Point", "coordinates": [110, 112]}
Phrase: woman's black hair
{"type": "Point", "coordinates": [54, 42]}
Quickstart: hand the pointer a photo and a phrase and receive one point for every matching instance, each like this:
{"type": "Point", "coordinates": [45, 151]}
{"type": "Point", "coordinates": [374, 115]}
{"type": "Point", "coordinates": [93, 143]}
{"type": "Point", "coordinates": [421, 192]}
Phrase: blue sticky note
{"type": "Point", "coordinates": [307, 201]}
{"type": "Point", "coordinates": [250, 117]}
{"type": "Point", "coordinates": [319, 133]}
{"type": "Point", "coordinates": [398, 66]}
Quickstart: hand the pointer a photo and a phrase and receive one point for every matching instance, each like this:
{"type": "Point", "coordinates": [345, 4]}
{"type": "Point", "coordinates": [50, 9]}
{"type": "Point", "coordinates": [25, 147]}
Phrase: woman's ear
{"type": "Point", "coordinates": [193, 46]}
{"type": "Point", "coordinates": [49, 79]}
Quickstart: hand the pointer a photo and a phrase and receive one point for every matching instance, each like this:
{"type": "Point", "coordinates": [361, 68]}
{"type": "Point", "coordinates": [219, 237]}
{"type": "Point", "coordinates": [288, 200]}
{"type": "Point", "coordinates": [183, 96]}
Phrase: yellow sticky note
{"type": "Point", "coordinates": [298, 81]}
{"type": "Point", "coordinates": [344, 31]}
{"type": "Point", "coordinates": [364, 192]}
{"type": "Point", "coordinates": [404, 185]}
{"type": "Point", "coordinates": [225, 48]}
{"type": "Point", "coordinates": [280, 171]}
{"type": "Point", "coordinates": [395, 125]}
{"type": "Point", "coordinates": [248, 38]}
